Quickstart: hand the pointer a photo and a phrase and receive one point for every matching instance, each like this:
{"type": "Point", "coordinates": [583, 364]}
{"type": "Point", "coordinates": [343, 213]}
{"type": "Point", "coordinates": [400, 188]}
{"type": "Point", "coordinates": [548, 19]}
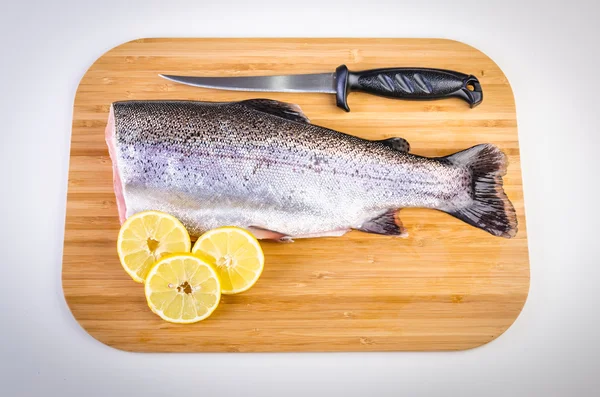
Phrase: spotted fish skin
{"type": "Point", "coordinates": [261, 165]}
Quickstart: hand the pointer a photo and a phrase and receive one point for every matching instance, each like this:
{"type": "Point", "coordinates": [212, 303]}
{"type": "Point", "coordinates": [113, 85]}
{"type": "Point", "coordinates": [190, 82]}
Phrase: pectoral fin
{"type": "Point", "coordinates": [265, 234]}
{"type": "Point", "coordinates": [399, 144]}
{"type": "Point", "coordinates": [387, 223]}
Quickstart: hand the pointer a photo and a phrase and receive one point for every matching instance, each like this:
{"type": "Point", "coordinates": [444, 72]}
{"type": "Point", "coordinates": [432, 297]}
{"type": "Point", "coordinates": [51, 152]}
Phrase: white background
{"type": "Point", "coordinates": [549, 51]}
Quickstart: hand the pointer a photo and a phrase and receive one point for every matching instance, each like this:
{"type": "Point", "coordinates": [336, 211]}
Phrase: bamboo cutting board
{"type": "Point", "coordinates": [448, 286]}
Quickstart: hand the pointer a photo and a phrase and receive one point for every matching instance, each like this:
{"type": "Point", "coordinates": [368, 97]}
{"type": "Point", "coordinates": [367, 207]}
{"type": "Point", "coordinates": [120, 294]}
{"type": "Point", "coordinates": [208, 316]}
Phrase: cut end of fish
{"type": "Point", "coordinates": [112, 151]}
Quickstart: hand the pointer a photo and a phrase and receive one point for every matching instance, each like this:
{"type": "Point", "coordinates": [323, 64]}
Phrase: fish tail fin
{"type": "Point", "coordinates": [489, 208]}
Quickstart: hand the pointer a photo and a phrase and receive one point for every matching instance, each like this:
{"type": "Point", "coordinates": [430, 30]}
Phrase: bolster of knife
{"type": "Point", "coordinates": [407, 83]}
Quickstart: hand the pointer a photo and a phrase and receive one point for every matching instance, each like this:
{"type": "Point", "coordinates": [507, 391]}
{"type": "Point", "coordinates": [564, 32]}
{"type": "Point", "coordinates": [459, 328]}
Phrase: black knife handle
{"type": "Point", "coordinates": [407, 83]}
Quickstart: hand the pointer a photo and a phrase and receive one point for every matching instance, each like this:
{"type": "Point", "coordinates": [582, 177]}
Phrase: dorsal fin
{"type": "Point", "coordinates": [399, 144]}
{"type": "Point", "coordinates": [288, 111]}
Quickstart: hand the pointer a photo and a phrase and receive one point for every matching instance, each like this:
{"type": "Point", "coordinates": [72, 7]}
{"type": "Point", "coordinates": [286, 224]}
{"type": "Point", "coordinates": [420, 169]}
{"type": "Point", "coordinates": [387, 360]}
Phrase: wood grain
{"type": "Point", "coordinates": [448, 286]}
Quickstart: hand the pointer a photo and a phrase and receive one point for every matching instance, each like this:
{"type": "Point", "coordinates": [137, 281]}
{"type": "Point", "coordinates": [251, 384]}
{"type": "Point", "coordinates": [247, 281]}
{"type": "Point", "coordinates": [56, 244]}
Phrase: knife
{"type": "Point", "coordinates": [397, 83]}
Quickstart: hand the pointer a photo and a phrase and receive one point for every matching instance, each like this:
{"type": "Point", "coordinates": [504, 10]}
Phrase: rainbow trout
{"type": "Point", "coordinates": [261, 165]}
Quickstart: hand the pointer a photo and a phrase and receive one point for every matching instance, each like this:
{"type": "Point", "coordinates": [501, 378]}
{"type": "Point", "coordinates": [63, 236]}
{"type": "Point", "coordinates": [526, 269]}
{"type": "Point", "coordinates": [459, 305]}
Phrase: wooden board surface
{"type": "Point", "coordinates": [448, 286]}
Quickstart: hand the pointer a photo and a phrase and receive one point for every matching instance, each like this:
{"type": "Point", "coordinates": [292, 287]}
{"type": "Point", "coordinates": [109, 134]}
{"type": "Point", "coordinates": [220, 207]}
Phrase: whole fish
{"type": "Point", "coordinates": [261, 165]}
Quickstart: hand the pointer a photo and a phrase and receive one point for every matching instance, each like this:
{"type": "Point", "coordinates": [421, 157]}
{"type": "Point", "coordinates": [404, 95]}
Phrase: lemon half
{"type": "Point", "coordinates": [236, 254]}
{"type": "Point", "coordinates": [146, 237]}
{"type": "Point", "coordinates": [182, 288]}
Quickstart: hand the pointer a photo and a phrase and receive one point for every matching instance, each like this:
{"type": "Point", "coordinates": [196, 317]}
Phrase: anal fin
{"type": "Point", "coordinates": [399, 144]}
{"type": "Point", "coordinates": [387, 224]}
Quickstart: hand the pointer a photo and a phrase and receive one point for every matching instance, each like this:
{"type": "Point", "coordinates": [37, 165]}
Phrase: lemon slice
{"type": "Point", "coordinates": [237, 255]}
{"type": "Point", "coordinates": [146, 237]}
{"type": "Point", "coordinates": [182, 288]}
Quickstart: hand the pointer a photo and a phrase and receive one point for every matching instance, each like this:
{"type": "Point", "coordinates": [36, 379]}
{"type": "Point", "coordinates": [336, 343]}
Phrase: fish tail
{"type": "Point", "coordinates": [489, 208]}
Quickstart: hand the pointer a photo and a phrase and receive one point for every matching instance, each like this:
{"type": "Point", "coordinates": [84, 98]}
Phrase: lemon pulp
{"type": "Point", "coordinates": [145, 237]}
{"type": "Point", "coordinates": [236, 255]}
{"type": "Point", "coordinates": [182, 288]}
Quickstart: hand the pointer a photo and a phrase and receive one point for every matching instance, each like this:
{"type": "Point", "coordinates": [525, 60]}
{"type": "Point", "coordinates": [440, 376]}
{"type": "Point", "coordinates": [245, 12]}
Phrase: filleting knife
{"type": "Point", "coordinates": [398, 83]}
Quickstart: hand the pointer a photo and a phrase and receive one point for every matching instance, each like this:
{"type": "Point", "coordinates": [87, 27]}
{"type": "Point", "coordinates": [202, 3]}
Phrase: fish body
{"type": "Point", "coordinates": [261, 165]}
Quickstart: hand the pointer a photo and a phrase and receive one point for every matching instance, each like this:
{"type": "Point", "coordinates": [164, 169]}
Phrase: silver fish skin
{"type": "Point", "coordinates": [261, 165]}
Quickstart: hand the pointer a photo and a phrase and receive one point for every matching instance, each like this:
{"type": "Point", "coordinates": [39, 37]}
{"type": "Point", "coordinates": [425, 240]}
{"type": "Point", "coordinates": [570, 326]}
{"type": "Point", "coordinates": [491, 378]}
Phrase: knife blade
{"type": "Point", "coordinates": [397, 83]}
